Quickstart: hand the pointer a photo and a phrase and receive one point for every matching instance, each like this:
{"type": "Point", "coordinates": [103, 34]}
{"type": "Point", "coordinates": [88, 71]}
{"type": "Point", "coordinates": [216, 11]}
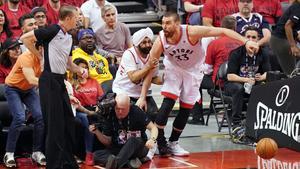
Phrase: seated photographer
{"type": "Point", "coordinates": [244, 70]}
{"type": "Point", "coordinates": [20, 89]}
{"type": "Point", "coordinates": [124, 135]}
{"type": "Point", "coordinates": [86, 94]}
{"type": "Point", "coordinates": [134, 66]}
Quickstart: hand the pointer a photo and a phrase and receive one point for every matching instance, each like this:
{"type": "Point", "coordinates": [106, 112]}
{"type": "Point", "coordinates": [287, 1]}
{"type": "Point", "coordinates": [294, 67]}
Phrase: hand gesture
{"type": "Point", "coordinates": [84, 73]}
{"type": "Point", "coordinates": [252, 47]}
{"type": "Point", "coordinates": [142, 104]}
{"type": "Point", "coordinates": [258, 77]}
{"type": "Point", "coordinates": [251, 80]}
{"type": "Point", "coordinates": [150, 143]}
{"type": "Point", "coordinates": [152, 63]}
{"type": "Point", "coordinates": [92, 128]}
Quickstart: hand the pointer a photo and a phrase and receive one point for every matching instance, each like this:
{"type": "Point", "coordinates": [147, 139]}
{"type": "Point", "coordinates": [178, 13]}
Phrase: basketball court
{"type": "Point", "coordinates": [236, 159]}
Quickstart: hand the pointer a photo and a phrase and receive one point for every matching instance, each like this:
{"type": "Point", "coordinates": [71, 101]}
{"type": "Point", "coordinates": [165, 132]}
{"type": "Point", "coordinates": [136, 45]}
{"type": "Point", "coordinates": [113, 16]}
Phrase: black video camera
{"type": "Point", "coordinates": [105, 106]}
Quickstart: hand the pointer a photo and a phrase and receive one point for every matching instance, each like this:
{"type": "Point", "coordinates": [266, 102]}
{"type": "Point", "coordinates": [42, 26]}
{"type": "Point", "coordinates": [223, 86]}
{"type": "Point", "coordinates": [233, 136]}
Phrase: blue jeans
{"type": "Point", "coordinates": [16, 99]}
{"type": "Point", "coordinates": [195, 19]}
{"type": "Point", "coordinates": [88, 136]}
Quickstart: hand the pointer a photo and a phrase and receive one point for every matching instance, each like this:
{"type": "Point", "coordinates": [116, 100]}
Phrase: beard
{"type": "Point", "coordinates": [145, 50]}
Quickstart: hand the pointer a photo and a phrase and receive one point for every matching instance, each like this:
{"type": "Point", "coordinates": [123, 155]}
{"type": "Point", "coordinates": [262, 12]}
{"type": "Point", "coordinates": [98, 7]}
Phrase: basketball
{"type": "Point", "coordinates": [266, 148]}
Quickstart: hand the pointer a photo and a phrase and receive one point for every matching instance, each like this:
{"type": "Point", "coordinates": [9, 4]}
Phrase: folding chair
{"type": "Point", "coordinates": [220, 101]}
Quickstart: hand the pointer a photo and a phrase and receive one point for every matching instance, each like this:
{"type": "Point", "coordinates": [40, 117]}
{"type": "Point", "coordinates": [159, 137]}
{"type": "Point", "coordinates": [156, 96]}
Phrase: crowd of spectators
{"type": "Point", "coordinates": [118, 62]}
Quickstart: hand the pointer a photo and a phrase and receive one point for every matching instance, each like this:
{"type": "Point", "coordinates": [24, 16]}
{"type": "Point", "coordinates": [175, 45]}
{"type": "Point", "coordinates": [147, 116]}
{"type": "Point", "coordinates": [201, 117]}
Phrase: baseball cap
{"type": "Point", "coordinates": [38, 9]}
{"type": "Point", "coordinates": [10, 43]}
{"type": "Point", "coordinates": [83, 32]}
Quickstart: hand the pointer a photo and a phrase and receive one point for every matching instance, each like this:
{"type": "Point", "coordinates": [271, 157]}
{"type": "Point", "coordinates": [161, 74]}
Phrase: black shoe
{"type": "Point", "coordinates": [196, 121]}
{"type": "Point", "coordinates": [134, 163]}
{"type": "Point", "coordinates": [111, 162]}
{"type": "Point", "coordinates": [164, 151]}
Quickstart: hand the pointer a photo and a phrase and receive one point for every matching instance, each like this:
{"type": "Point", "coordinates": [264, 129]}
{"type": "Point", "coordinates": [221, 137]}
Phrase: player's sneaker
{"type": "Point", "coordinates": [176, 149]}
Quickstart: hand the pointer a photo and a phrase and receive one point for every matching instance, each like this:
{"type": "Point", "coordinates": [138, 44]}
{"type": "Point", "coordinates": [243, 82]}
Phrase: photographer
{"type": "Point", "coordinates": [124, 135]}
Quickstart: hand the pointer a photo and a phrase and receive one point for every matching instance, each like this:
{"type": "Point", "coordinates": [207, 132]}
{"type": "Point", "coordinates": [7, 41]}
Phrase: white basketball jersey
{"type": "Point", "coordinates": [130, 62]}
{"type": "Point", "coordinates": [183, 54]}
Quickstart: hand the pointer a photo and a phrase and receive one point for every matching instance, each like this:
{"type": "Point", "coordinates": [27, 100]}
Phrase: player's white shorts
{"type": "Point", "coordinates": [179, 83]}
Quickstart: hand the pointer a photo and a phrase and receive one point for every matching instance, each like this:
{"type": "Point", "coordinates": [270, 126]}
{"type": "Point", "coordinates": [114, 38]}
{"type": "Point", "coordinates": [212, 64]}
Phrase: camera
{"type": "Point", "coordinates": [105, 106]}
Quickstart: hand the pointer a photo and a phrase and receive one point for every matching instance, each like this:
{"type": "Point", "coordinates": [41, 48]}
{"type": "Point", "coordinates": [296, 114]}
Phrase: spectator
{"type": "Point", "coordinates": [113, 37]}
{"type": "Point", "coordinates": [14, 10]}
{"type": "Point", "coordinates": [76, 3]}
{"type": "Point", "coordinates": [5, 31]}
{"type": "Point", "coordinates": [27, 23]}
{"type": "Point", "coordinates": [284, 38]}
{"type": "Point", "coordinates": [91, 10]}
{"type": "Point", "coordinates": [52, 7]}
{"type": "Point", "coordinates": [270, 10]}
{"type": "Point", "coordinates": [39, 14]}
{"type": "Point", "coordinates": [124, 135]}
{"type": "Point", "coordinates": [134, 66]}
{"type": "Point", "coordinates": [214, 11]}
{"type": "Point", "coordinates": [217, 53]}
{"type": "Point", "coordinates": [193, 8]}
{"type": "Point", "coordinates": [19, 90]}
{"type": "Point", "coordinates": [32, 3]}
{"type": "Point", "coordinates": [10, 52]}
{"type": "Point", "coordinates": [98, 65]}
{"type": "Point", "coordinates": [88, 92]}
{"type": "Point", "coordinates": [244, 67]}
{"type": "Point", "coordinates": [246, 18]}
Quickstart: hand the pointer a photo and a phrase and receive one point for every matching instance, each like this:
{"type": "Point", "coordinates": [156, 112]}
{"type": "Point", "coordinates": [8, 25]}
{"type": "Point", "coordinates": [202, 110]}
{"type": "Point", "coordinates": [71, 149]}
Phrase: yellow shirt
{"type": "Point", "coordinates": [16, 77]}
{"type": "Point", "coordinates": [98, 65]}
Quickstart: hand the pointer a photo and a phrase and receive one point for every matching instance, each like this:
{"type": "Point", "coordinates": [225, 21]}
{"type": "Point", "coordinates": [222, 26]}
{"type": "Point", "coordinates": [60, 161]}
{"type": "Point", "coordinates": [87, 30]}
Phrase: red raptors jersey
{"type": "Point", "coordinates": [183, 54]}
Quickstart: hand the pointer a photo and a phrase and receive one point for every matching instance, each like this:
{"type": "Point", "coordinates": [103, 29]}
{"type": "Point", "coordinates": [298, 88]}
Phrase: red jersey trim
{"type": "Point", "coordinates": [169, 95]}
{"type": "Point", "coordinates": [133, 56]}
{"type": "Point", "coordinates": [186, 105]}
{"type": "Point", "coordinates": [188, 37]}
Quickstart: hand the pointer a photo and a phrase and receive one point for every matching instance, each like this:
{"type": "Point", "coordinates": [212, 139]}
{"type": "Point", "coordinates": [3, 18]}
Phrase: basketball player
{"type": "Point", "coordinates": [183, 75]}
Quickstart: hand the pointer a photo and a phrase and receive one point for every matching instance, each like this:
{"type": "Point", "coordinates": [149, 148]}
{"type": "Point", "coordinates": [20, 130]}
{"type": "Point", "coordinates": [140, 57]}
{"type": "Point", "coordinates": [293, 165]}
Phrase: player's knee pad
{"type": "Point", "coordinates": [181, 118]}
{"type": "Point", "coordinates": [164, 111]}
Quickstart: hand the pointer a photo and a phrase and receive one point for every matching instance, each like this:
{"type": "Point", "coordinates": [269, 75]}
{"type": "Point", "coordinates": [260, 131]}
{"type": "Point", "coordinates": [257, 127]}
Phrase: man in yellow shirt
{"type": "Point", "coordinates": [98, 65]}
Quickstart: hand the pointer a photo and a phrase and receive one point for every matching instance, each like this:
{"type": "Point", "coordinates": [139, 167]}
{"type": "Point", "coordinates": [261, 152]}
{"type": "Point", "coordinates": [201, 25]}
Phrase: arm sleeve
{"type": "Point", "coordinates": [208, 9]}
{"type": "Point", "coordinates": [26, 61]}
{"type": "Point", "coordinates": [45, 35]}
{"type": "Point", "coordinates": [127, 35]}
{"type": "Point", "coordinates": [295, 14]}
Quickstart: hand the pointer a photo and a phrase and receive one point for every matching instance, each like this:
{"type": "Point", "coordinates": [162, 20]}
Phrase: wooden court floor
{"type": "Point", "coordinates": [238, 159]}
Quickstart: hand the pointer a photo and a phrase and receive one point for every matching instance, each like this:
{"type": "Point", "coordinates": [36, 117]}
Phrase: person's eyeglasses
{"type": "Point", "coordinates": [253, 37]}
{"type": "Point", "coordinates": [40, 16]}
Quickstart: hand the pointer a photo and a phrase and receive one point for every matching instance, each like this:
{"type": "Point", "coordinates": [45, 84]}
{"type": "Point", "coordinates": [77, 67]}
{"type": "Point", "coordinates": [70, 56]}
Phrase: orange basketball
{"type": "Point", "coordinates": [266, 148]}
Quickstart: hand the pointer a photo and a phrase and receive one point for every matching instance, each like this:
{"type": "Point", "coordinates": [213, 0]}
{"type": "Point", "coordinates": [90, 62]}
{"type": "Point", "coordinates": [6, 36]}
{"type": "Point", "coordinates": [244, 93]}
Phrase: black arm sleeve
{"type": "Point", "coordinates": [45, 35]}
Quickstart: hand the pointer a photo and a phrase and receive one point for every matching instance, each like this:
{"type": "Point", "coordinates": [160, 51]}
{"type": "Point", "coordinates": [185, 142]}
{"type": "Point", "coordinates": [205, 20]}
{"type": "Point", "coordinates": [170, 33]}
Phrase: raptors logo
{"type": "Point", "coordinates": [282, 95]}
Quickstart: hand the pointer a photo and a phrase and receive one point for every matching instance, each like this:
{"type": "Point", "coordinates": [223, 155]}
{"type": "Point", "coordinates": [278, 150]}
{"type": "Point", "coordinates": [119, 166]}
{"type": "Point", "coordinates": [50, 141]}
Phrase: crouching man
{"type": "Point", "coordinates": [124, 135]}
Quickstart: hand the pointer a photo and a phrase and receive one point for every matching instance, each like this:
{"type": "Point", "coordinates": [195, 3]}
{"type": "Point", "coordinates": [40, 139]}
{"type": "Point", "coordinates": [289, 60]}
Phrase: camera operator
{"type": "Point", "coordinates": [124, 135]}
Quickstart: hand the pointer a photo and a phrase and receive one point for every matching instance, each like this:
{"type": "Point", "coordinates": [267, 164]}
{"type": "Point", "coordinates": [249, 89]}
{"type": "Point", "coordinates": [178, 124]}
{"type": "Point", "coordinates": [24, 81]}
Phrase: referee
{"type": "Point", "coordinates": [54, 98]}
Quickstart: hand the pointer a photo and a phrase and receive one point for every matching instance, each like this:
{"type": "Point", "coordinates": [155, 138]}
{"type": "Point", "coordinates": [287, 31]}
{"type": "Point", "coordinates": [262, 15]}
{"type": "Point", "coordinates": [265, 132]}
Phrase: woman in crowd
{"type": "Point", "coordinates": [87, 91]}
{"type": "Point", "coordinates": [4, 29]}
{"type": "Point", "coordinates": [10, 52]}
